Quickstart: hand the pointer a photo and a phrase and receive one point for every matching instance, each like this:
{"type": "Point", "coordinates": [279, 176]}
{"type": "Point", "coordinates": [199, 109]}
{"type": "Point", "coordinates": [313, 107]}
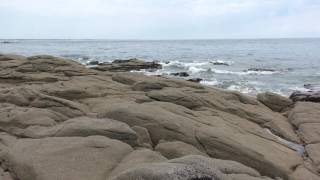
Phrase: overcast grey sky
{"type": "Point", "coordinates": [158, 19]}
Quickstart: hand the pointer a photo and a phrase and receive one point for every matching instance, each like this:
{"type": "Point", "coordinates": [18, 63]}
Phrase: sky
{"type": "Point", "coordinates": [158, 19]}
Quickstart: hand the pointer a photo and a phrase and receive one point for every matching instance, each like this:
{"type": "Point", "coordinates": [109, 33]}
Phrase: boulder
{"type": "Point", "coordinates": [274, 101]}
{"type": "Point", "coordinates": [177, 149]}
{"type": "Point", "coordinates": [72, 158]}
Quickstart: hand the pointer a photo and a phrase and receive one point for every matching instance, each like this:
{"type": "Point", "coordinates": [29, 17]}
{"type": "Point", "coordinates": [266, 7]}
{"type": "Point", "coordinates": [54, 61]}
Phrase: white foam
{"type": "Point", "coordinates": [245, 90]}
{"type": "Point", "coordinates": [209, 83]}
{"type": "Point", "coordinates": [302, 89]}
{"type": "Point", "coordinates": [242, 73]}
{"type": "Point", "coordinates": [196, 69]}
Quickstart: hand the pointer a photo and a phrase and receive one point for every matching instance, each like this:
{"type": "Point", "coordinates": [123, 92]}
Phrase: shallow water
{"type": "Point", "coordinates": [287, 64]}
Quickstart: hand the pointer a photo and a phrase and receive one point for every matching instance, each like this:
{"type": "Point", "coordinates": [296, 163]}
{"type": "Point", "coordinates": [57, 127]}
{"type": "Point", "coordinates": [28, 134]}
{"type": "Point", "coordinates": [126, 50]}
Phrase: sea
{"type": "Point", "coordinates": [246, 65]}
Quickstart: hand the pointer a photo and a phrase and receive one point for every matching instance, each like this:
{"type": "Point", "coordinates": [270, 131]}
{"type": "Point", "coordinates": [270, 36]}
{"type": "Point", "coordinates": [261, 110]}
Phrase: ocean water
{"type": "Point", "coordinates": [249, 66]}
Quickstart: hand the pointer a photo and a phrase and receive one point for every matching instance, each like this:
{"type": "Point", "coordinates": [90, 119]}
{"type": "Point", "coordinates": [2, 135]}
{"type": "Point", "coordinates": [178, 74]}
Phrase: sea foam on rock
{"type": "Point", "coordinates": [61, 120]}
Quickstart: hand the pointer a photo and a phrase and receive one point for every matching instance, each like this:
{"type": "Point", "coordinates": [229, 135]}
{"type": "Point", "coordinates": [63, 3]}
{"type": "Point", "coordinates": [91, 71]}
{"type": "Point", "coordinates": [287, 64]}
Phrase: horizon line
{"type": "Point", "coordinates": [164, 39]}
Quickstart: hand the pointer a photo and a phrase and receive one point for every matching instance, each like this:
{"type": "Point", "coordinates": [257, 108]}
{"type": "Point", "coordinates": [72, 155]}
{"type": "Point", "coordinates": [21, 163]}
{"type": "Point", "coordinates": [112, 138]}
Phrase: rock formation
{"type": "Point", "coordinates": [60, 120]}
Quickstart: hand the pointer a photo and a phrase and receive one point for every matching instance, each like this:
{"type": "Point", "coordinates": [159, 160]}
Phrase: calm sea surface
{"type": "Point", "coordinates": [250, 66]}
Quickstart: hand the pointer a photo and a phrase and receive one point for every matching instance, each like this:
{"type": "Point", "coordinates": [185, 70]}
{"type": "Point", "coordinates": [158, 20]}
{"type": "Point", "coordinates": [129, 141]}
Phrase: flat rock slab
{"type": "Point", "coordinates": [83, 127]}
{"type": "Point", "coordinates": [70, 158]}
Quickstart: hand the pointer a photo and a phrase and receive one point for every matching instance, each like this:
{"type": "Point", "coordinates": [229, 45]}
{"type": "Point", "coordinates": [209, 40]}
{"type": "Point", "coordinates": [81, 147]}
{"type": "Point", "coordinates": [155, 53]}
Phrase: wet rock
{"type": "Point", "coordinates": [219, 63]}
{"type": "Point", "coordinates": [127, 65]}
{"type": "Point", "coordinates": [312, 87]}
{"type": "Point", "coordinates": [313, 96]}
{"type": "Point", "coordinates": [92, 63]}
{"type": "Point", "coordinates": [177, 149]}
{"type": "Point", "coordinates": [274, 101]}
{"type": "Point", "coordinates": [180, 74]}
{"type": "Point", "coordinates": [196, 80]}
{"type": "Point", "coordinates": [261, 69]}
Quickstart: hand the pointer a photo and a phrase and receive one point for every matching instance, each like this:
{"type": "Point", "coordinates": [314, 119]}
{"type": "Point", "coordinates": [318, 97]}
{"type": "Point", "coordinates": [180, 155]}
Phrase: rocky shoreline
{"type": "Point", "coordinates": [63, 121]}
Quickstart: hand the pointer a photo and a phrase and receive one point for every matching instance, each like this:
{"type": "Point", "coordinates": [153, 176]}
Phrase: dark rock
{"type": "Point", "coordinates": [127, 65]}
{"type": "Point", "coordinates": [260, 69]}
{"type": "Point", "coordinates": [312, 87]}
{"type": "Point", "coordinates": [7, 42]}
{"type": "Point", "coordinates": [181, 74]}
{"type": "Point", "coordinates": [219, 63]}
{"type": "Point", "coordinates": [93, 63]}
{"type": "Point", "coordinates": [305, 96]}
{"type": "Point", "coordinates": [197, 80]}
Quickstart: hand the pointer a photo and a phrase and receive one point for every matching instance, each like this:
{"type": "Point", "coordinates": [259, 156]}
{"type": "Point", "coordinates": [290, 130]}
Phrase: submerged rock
{"type": "Point", "coordinates": [261, 69]}
{"type": "Point", "coordinates": [181, 74]}
{"type": "Point", "coordinates": [219, 63]}
{"type": "Point", "coordinates": [196, 80]}
{"type": "Point", "coordinates": [91, 63]}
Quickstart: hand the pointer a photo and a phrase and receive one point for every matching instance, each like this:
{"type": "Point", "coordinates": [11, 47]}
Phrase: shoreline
{"type": "Point", "coordinates": [57, 114]}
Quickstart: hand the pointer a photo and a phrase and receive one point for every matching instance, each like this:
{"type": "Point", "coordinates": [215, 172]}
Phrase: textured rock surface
{"type": "Point", "coordinates": [274, 101]}
{"type": "Point", "coordinates": [313, 96]}
{"type": "Point", "coordinates": [306, 118]}
{"type": "Point", "coordinates": [176, 149]}
{"type": "Point", "coordinates": [72, 158]}
{"type": "Point", "coordinates": [61, 120]}
{"type": "Point", "coordinates": [85, 126]}
{"type": "Point", "coordinates": [191, 167]}
{"type": "Point", "coordinates": [143, 137]}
